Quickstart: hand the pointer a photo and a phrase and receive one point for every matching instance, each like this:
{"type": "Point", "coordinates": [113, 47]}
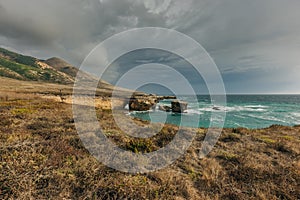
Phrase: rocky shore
{"type": "Point", "coordinates": [43, 157]}
{"type": "Point", "coordinates": [39, 144]}
{"type": "Point", "coordinates": [147, 102]}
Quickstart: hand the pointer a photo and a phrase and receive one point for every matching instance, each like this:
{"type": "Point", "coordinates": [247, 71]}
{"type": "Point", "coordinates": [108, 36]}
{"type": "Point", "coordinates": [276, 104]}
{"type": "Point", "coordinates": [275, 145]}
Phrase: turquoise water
{"type": "Point", "coordinates": [249, 111]}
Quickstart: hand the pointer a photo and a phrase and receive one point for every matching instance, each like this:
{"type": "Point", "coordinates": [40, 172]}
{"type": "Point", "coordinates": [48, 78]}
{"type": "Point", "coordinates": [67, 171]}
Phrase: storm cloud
{"type": "Point", "coordinates": [255, 44]}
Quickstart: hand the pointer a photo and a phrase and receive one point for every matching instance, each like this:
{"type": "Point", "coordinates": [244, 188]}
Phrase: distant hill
{"type": "Point", "coordinates": [27, 68]}
{"type": "Point", "coordinates": [62, 66]}
{"type": "Point", "coordinates": [53, 70]}
{"type": "Point", "coordinates": [72, 71]}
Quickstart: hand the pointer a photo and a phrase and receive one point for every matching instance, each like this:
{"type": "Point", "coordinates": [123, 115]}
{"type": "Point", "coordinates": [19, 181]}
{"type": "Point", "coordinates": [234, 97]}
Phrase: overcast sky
{"type": "Point", "coordinates": [255, 43]}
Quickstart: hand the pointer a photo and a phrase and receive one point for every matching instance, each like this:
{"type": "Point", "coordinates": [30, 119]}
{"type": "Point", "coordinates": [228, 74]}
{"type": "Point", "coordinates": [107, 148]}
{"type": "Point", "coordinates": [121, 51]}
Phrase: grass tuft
{"type": "Point", "coordinates": [42, 157]}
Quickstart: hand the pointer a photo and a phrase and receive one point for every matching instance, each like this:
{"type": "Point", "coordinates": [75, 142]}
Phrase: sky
{"type": "Point", "coordinates": [255, 44]}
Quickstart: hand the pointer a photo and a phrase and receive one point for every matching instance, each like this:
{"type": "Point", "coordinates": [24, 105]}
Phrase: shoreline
{"type": "Point", "coordinates": [105, 104]}
{"type": "Point", "coordinates": [40, 144]}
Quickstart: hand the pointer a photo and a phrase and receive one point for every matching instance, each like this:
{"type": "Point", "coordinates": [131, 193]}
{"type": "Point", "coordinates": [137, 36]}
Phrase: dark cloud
{"type": "Point", "coordinates": [243, 37]}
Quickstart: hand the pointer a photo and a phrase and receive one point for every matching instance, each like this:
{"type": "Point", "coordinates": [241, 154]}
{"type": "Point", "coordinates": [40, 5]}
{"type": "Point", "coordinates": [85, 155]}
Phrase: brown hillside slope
{"type": "Point", "coordinates": [52, 71]}
{"type": "Point", "coordinates": [42, 157]}
{"type": "Point", "coordinates": [62, 66]}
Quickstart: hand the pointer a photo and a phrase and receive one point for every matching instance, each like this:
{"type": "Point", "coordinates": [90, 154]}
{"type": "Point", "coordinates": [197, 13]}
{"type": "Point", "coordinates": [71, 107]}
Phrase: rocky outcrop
{"type": "Point", "coordinates": [165, 108]}
{"type": "Point", "coordinates": [142, 103]}
{"type": "Point", "coordinates": [179, 106]}
{"type": "Point", "coordinates": [159, 98]}
{"type": "Point", "coordinates": [146, 102]}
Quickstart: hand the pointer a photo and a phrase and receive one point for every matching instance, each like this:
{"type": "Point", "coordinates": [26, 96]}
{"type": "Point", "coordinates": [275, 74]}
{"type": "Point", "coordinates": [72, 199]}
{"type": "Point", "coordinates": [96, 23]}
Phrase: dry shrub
{"type": "Point", "coordinates": [42, 157]}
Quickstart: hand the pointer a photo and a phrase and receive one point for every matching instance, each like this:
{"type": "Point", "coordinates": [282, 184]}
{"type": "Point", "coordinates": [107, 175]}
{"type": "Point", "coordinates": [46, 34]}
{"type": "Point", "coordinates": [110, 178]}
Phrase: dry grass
{"type": "Point", "coordinates": [42, 157]}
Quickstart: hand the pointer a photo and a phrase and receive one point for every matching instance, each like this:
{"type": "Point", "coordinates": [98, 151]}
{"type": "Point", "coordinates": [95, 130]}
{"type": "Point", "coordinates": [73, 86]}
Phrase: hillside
{"type": "Point", "coordinates": [53, 70]}
{"type": "Point", "coordinates": [42, 157]}
{"type": "Point", "coordinates": [72, 71]}
{"type": "Point", "coordinates": [62, 66]}
{"type": "Point", "coordinates": [20, 67]}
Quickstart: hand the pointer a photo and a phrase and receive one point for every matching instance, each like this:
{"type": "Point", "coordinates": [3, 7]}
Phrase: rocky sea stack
{"type": "Point", "coordinates": [146, 102]}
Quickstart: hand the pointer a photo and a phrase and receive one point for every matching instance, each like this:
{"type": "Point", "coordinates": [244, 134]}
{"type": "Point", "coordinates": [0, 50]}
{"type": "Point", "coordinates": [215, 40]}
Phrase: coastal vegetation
{"type": "Point", "coordinates": [42, 157]}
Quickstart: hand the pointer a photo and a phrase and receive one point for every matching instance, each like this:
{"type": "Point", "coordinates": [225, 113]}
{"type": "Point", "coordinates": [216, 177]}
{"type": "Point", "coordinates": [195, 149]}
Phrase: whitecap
{"type": "Point", "coordinates": [137, 112]}
{"type": "Point", "coordinates": [193, 111]}
{"type": "Point", "coordinates": [260, 110]}
{"type": "Point", "coordinates": [126, 107]}
{"type": "Point", "coordinates": [256, 106]}
{"type": "Point", "coordinates": [296, 114]}
{"type": "Point", "coordinates": [268, 118]}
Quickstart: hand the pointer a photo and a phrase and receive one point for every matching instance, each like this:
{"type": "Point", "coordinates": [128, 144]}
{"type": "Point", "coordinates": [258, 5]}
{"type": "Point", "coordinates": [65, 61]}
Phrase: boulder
{"type": "Point", "coordinates": [142, 103]}
{"type": "Point", "coordinates": [179, 106]}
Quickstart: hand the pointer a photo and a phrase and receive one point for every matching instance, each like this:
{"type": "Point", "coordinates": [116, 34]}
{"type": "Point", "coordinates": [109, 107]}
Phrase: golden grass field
{"type": "Point", "coordinates": [42, 157]}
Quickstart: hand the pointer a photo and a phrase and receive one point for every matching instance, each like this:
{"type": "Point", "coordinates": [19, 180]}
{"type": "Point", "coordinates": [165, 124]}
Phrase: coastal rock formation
{"type": "Point", "coordinates": [165, 108]}
{"type": "Point", "coordinates": [159, 98]}
{"type": "Point", "coordinates": [146, 102]}
{"type": "Point", "coordinates": [142, 103]}
{"type": "Point", "coordinates": [179, 106]}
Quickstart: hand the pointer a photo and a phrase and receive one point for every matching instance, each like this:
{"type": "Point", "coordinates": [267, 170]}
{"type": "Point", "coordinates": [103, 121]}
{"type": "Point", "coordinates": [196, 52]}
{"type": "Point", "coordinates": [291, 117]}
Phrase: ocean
{"type": "Point", "coordinates": [248, 111]}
